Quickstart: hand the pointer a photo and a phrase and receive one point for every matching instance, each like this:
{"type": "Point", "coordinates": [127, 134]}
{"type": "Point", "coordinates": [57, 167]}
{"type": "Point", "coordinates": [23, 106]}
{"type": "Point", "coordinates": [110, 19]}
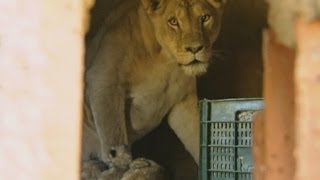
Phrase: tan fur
{"type": "Point", "coordinates": [139, 70]}
{"type": "Point", "coordinates": [145, 169]}
{"type": "Point", "coordinates": [120, 158]}
{"type": "Point", "coordinates": [92, 169]}
{"type": "Point", "coordinates": [123, 168]}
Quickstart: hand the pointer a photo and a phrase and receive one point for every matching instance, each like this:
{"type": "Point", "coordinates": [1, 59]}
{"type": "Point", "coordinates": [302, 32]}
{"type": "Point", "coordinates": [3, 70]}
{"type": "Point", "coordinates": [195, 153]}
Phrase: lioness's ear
{"type": "Point", "coordinates": [151, 5]}
{"type": "Point", "coordinates": [218, 3]}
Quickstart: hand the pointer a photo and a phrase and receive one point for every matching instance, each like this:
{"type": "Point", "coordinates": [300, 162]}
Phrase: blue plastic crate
{"type": "Point", "coordinates": [226, 138]}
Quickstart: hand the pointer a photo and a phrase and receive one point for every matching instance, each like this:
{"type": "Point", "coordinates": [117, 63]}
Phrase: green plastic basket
{"type": "Point", "coordinates": [226, 138]}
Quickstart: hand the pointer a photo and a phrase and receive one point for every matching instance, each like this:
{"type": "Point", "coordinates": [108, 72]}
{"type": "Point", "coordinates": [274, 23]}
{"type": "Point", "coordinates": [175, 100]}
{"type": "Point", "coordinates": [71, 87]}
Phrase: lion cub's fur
{"type": "Point", "coordinates": [141, 66]}
{"type": "Point", "coordinates": [120, 158]}
{"type": "Point", "coordinates": [124, 168]}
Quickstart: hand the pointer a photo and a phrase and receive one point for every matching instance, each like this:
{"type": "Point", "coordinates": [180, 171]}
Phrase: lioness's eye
{"type": "Point", "coordinates": [205, 17]}
{"type": "Point", "coordinates": [173, 22]}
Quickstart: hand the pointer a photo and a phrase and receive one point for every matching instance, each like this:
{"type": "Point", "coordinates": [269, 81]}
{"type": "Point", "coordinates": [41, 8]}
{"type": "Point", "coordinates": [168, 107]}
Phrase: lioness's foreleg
{"type": "Point", "coordinates": [106, 98]}
{"type": "Point", "coordinates": [184, 120]}
{"type": "Point", "coordinates": [91, 169]}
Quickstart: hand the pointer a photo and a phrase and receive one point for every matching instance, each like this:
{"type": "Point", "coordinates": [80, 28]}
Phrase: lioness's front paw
{"type": "Point", "coordinates": [112, 174]}
{"type": "Point", "coordinates": [140, 163]}
{"type": "Point", "coordinates": [91, 169]}
{"type": "Point", "coordinates": [105, 154]}
{"type": "Point", "coordinates": [120, 158]}
{"type": "Point", "coordinates": [145, 169]}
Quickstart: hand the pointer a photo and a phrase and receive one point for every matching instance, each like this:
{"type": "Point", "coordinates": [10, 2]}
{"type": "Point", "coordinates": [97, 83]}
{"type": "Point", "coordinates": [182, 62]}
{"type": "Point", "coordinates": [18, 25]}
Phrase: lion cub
{"type": "Point", "coordinates": [145, 169]}
{"type": "Point", "coordinates": [120, 158]}
{"type": "Point", "coordinates": [124, 168]}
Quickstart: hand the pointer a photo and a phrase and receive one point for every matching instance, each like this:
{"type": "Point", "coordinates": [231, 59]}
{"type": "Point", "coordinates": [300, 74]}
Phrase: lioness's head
{"type": "Point", "coordinates": [186, 29]}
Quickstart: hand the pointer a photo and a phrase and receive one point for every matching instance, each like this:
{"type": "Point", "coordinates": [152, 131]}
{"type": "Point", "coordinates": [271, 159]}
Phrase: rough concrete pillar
{"type": "Point", "coordinates": [307, 86]}
{"type": "Point", "coordinates": [258, 148]}
{"type": "Point", "coordinates": [275, 130]}
{"type": "Point", "coordinates": [41, 52]}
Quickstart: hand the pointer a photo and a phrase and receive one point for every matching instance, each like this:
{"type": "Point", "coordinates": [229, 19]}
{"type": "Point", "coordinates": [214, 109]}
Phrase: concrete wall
{"type": "Point", "coordinates": [307, 88]}
{"type": "Point", "coordinates": [274, 134]}
{"type": "Point", "coordinates": [286, 134]}
{"type": "Point", "coordinates": [41, 57]}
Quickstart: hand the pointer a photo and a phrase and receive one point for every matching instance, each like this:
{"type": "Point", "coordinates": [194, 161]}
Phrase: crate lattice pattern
{"type": "Point", "coordinates": [226, 139]}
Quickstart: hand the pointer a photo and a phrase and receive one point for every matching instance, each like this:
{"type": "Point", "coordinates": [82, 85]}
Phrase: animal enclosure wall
{"type": "Point", "coordinates": [286, 134]}
{"type": "Point", "coordinates": [41, 57]}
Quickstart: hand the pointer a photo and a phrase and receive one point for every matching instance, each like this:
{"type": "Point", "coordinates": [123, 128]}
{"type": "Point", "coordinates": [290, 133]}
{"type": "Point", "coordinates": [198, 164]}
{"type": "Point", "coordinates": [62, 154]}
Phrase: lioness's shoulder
{"type": "Point", "coordinates": [113, 22]}
{"type": "Point", "coordinates": [120, 11]}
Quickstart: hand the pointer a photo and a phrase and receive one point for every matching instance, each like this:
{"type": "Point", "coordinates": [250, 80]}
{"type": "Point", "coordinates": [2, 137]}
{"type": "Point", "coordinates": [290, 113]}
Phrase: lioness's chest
{"type": "Point", "coordinates": [153, 92]}
{"type": "Point", "coordinates": [160, 85]}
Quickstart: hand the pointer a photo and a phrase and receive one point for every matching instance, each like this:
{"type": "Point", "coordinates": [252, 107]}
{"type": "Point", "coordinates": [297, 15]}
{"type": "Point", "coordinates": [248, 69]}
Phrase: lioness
{"type": "Point", "coordinates": [142, 66]}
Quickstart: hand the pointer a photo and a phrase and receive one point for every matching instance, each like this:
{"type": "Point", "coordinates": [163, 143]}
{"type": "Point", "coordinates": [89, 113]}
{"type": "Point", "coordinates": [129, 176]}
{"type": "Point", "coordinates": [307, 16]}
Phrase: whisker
{"type": "Point", "coordinates": [218, 55]}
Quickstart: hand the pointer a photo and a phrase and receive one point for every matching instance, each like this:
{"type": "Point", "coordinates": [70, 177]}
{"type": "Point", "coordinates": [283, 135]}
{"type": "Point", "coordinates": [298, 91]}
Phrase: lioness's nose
{"type": "Point", "coordinates": [194, 49]}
